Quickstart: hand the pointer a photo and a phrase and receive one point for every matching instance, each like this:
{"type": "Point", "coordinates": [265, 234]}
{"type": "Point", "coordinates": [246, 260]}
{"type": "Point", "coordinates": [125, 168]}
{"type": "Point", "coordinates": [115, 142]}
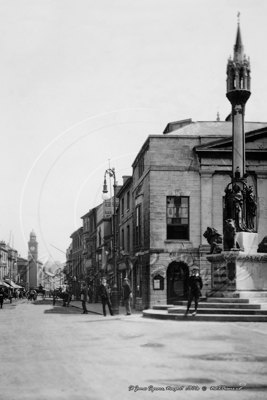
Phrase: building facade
{"type": "Point", "coordinates": [89, 250]}
{"type": "Point", "coordinates": [125, 253]}
{"type": "Point", "coordinates": [179, 181]}
{"type": "Point", "coordinates": [176, 192]}
{"type": "Point", "coordinates": [23, 272]}
{"type": "Point", "coordinates": [75, 262]}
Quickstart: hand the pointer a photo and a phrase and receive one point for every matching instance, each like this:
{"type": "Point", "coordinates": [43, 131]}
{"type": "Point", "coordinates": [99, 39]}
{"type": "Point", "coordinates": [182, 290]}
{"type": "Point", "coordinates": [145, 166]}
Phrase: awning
{"type": "Point", "coordinates": [4, 284]}
{"type": "Point", "coordinates": [13, 284]}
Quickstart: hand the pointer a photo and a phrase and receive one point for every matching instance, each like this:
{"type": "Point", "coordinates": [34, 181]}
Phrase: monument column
{"type": "Point", "coordinates": [240, 200]}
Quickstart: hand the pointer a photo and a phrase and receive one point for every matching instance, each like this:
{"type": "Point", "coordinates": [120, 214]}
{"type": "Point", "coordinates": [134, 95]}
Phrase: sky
{"type": "Point", "coordinates": [84, 82]}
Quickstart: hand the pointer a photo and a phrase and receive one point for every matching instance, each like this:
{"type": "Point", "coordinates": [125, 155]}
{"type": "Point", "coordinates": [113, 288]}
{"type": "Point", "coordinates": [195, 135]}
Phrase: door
{"type": "Point", "coordinates": [177, 282]}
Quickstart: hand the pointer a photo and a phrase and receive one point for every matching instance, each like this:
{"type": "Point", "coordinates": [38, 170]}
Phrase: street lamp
{"type": "Point", "coordinates": [114, 292]}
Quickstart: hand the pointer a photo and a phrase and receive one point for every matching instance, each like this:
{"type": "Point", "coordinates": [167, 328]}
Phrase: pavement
{"type": "Point", "coordinates": [96, 308]}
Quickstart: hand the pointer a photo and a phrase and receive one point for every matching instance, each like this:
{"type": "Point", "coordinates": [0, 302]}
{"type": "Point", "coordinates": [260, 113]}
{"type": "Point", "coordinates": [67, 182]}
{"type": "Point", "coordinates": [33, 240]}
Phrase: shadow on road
{"type": "Point", "coordinates": [57, 308]}
{"type": "Point", "coordinates": [62, 310]}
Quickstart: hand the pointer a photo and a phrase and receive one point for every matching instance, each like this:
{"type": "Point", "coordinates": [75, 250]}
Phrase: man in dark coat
{"type": "Point", "coordinates": [2, 296]}
{"type": "Point", "coordinates": [84, 293]}
{"type": "Point", "coordinates": [104, 292]}
{"type": "Point", "coordinates": [195, 285]}
{"type": "Point", "coordinates": [127, 295]}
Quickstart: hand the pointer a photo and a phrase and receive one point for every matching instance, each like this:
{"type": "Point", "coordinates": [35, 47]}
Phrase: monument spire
{"type": "Point", "coordinates": [238, 92]}
{"type": "Point", "coordinates": [238, 48]}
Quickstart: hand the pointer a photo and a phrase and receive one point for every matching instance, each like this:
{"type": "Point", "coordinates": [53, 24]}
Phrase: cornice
{"type": "Point", "coordinates": [237, 256]}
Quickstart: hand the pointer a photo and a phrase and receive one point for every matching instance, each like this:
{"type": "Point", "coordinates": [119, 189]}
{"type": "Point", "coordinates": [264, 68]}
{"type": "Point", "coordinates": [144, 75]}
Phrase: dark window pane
{"type": "Point", "coordinates": [177, 232]}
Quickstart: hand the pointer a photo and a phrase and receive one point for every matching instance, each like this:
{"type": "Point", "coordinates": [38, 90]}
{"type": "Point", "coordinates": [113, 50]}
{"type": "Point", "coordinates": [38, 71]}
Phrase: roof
{"type": "Point", "coordinates": [224, 145]}
{"type": "Point", "coordinates": [125, 186]}
{"type": "Point", "coordinates": [214, 128]}
{"type": "Point", "coordinates": [77, 232]}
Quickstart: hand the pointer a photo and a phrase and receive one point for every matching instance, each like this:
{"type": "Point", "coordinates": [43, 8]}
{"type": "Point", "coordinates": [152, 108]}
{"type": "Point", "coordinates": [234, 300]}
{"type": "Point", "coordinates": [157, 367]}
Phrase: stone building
{"type": "Point", "coordinates": [125, 248]}
{"type": "Point", "coordinates": [178, 187]}
{"type": "Point", "coordinates": [75, 262]}
{"type": "Point", "coordinates": [89, 249]}
{"type": "Point", "coordinates": [23, 272]}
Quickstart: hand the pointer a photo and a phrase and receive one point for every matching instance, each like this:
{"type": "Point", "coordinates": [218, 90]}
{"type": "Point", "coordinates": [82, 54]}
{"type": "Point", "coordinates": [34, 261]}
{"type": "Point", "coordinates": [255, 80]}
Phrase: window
{"type": "Point", "coordinates": [177, 217]}
{"type": "Point", "coordinates": [141, 167]}
{"type": "Point", "coordinates": [122, 206]}
{"type": "Point", "coordinates": [128, 238]}
{"type": "Point", "coordinates": [122, 239]}
{"type": "Point", "coordinates": [138, 225]}
{"type": "Point", "coordinates": [128, 201]}
{"type": "Point", "coordinates": [139, 281]}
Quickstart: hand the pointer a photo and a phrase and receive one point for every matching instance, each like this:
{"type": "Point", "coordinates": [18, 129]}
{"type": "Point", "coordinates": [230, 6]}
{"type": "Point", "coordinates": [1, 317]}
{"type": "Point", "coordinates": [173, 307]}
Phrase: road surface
{"type": "Point", "coordinates": [58, 353]}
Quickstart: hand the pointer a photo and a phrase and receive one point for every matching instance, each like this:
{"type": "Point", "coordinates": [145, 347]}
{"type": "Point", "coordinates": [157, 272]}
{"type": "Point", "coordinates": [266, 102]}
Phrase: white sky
{"type": "Point", "coordinates": [85, 81]}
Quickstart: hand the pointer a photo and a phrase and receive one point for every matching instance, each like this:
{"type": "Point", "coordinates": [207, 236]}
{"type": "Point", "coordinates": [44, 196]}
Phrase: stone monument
{"type": "Point", "coordinates": [239, 267]}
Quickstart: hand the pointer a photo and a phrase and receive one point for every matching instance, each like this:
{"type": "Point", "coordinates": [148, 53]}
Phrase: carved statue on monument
{"type": "Point", "coordinates": [251, 208]}
{"type": "Point", "coordinates": [229, 236]}
{"type": "Point", "coordinates": [214, 239]}
{"type": "Point", "coordinates": [234, 203]}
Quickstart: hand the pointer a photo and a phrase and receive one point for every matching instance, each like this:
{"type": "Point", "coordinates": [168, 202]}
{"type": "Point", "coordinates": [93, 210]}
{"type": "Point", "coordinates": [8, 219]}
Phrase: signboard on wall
{"type": "Point", "coordinates": [109, 207]}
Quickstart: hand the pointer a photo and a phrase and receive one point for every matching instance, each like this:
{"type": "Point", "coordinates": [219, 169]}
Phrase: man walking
{"type": "Point", "coordinates": [84, 298]}
{"type": "Point", "coordinates": [195, 285]}
{"type": "Point", "coordinates": [104, 292]}
{"type": "Point", "coordinates": [2, 295]}
{"type": "Point", "coordinates": [127, 295]}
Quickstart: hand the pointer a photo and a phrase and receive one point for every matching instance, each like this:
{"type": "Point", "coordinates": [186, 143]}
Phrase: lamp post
{"type": "Point", "coordinates": [114, 292]}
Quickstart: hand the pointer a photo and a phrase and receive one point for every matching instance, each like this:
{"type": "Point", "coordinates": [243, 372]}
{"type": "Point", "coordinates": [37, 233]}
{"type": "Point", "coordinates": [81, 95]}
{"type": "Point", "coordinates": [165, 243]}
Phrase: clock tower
{"type": "Point", "coordinates": [33, 247]}
{"type": "Point", "coordinates": [33, 260]}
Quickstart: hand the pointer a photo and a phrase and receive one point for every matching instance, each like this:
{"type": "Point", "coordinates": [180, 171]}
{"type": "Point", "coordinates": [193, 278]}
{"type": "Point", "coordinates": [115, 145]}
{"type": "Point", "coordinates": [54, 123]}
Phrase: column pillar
{"type": "Point", "coordinates": [206, 201]}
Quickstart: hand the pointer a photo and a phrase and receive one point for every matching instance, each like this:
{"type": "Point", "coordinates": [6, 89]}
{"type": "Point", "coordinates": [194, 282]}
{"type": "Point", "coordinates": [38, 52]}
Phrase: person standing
{"type": "Point", "coordinates": [104, 292]}
{"type": "Point", "coordinates": [2, 296]}
{"type": "Point", "coordinates": [90, 294]}
{"type": "Point", "coordinates": [195, 286]}
{"type": "Point", "coordinates": [84, 298]}
{"type": "Point", "coordinates": [127, 295]}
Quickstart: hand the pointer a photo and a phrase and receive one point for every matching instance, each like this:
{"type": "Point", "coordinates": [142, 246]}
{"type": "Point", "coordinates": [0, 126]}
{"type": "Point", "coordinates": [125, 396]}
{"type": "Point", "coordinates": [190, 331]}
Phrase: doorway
{"type": "Point", "coordinates": [177, 282]}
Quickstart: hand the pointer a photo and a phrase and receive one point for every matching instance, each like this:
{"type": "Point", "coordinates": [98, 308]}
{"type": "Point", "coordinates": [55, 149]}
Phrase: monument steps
{"type": "Point", "coordinates": [224, 309]}
{"type": "Point", "coordinates": [226, 305]}
{"type": "Point", "coordinates": [252, 294]}
{"type": "Point", "coordinates": [246, 311]}
{"type": "Point", "coordinates": [163, 315]}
